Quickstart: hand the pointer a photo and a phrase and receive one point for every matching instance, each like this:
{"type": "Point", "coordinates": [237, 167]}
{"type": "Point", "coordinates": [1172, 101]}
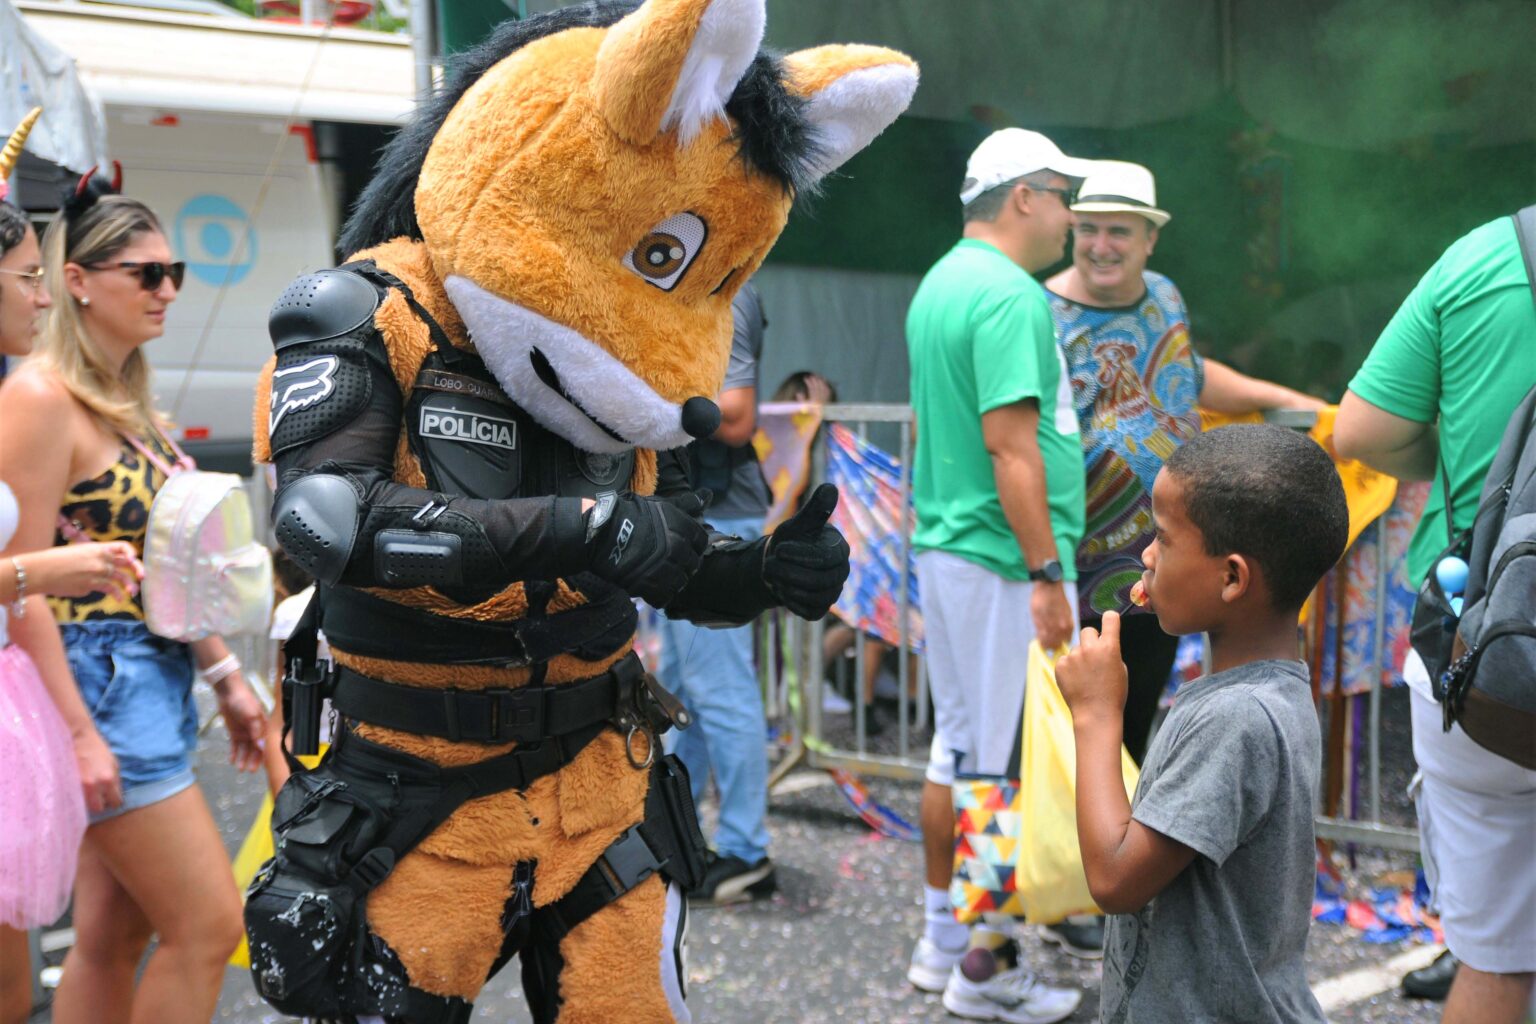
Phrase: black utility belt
{"type": "Point", "coordinates": [361, 623]}
{"type": "Point", "coordinates": [625, 696]}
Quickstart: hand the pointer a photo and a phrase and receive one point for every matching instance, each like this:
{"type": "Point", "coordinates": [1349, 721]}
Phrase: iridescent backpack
{"type": "Point", "coordinates": [204, 572]}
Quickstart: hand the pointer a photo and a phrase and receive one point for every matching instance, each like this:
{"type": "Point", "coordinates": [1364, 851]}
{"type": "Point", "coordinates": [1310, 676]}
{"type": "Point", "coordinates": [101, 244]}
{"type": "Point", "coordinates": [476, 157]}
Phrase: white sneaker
{"type": "Point", "coordinates": [1016, 996]}
{"type": "Point", "coordinates": [834, 703]}
{"type": "Point", "coordinates": [931, 966]}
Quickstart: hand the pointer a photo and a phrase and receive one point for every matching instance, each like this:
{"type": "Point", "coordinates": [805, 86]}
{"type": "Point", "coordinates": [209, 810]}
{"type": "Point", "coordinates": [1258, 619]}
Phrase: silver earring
{"type": "Point", "coordinates": [85, 300]}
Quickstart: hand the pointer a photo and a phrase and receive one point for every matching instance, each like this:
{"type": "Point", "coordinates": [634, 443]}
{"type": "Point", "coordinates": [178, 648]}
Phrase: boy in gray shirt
{"type": "Point", "coordinates": [1208, 873]}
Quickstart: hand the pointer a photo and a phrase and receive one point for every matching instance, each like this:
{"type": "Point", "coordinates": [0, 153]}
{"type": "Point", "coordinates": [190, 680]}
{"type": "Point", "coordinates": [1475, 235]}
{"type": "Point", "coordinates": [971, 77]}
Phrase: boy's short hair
{"type": "Point", "coordinates": [1271, 494]}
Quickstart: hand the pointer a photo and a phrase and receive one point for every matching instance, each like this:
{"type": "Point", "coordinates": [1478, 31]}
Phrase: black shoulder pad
{"type": "Point", "coordinates": [319, 306]}
{"type": "Point", "coordinates": [316, 390]}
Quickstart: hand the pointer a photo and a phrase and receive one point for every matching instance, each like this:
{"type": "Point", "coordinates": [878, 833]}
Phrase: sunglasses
{"type": "Point", "coordinates": [1068, 196]}
{"type": "Point", "coordinates": [32, 280]}
{"type": "Point", "coordinates": [150, 275]}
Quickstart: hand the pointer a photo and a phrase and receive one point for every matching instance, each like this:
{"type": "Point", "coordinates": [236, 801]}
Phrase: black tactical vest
{"type": "Point", "coordinates": [472, 440]}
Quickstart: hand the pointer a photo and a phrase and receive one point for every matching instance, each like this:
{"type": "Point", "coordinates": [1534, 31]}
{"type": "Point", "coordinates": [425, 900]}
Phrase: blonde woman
{"type": "Point", "coordinates": [85, 451]}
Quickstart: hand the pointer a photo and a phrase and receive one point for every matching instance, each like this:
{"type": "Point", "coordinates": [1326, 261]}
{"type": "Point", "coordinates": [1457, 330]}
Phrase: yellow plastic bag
{"type": "Point", "coordinates": [1016, 851]}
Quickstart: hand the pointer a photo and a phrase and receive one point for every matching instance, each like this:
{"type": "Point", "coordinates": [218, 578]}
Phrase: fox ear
{"type": "Point", "coordinates": [673, 64]}
{"type": "Point", "coordinates": [854, 93]}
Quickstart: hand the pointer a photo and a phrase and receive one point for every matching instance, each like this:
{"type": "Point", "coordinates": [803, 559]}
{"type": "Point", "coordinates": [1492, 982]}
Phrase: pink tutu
{"type": "Point", "coordinates": [42, 808]}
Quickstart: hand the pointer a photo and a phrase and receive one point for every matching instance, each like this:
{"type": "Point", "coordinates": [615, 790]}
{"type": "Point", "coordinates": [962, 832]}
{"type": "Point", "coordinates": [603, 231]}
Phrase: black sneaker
{"type": "Point", "coordinates": [1082, 937]}
{"type": "Point", "coordinates": [730, 879]}
{"type": "Point", "coordinates": [1432, 982]}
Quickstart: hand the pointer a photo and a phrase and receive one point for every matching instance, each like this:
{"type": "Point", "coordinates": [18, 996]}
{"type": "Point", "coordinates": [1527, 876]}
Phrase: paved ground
{"type": "Point", "coordinates": [832, 945]}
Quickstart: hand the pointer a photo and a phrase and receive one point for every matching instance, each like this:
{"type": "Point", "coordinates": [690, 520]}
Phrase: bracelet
{"type": "Point", "coordinates": [19, 605]}
{"type": "Point", "coordinates": [221, 670]}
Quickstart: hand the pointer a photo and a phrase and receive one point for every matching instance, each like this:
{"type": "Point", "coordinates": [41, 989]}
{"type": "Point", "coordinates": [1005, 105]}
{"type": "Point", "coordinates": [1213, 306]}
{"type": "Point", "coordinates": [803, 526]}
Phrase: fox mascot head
{"type": "Point", "coordinates": [594, 185]}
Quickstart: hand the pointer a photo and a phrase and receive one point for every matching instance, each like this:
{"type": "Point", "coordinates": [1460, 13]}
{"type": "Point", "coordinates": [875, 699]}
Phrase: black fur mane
{"type": "Point", "coordinates": [772, 136]}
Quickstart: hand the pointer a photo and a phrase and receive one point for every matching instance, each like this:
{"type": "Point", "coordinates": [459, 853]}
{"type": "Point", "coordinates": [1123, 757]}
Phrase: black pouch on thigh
{"type": "Point", "coordinates": [304, 913]}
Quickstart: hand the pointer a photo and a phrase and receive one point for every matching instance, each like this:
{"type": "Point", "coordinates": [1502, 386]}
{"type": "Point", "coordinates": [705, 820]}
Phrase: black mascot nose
{"type": "Point", "coordinates": [701, 417]}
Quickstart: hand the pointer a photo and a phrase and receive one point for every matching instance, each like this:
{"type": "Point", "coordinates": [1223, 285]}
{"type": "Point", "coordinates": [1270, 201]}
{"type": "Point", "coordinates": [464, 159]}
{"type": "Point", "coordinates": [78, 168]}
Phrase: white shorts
{"type": "Point", "coordinates": [1477, 826]}
{"type": "Point", "coordinates": [977, 628]}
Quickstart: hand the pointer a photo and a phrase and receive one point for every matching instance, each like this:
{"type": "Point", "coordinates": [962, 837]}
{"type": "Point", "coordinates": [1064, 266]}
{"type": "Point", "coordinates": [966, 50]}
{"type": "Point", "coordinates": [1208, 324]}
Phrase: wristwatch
{"type": "Point", "coordinates": [1050, 572]}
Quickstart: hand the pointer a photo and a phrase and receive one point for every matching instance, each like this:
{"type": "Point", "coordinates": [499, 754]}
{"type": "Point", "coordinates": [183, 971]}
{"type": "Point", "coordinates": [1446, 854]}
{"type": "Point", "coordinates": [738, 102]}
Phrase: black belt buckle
{"type": "Point", "coordinates": [627, 862]}
{"type": "Point", "coordinates": [517, 714]}
{"type": "Point", "coordinates": [499, 715]}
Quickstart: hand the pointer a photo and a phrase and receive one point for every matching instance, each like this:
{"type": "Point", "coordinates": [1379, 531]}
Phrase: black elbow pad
{"type": "Point", "coordinates": [316, 520]}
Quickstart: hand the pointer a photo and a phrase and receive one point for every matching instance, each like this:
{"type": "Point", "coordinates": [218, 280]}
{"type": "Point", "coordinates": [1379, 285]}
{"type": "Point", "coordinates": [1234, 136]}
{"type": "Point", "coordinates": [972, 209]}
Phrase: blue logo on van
{"type": "Point", "coordinates": [215, 237]}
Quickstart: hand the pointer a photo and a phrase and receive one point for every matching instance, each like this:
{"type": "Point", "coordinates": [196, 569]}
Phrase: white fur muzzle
{"type": "Point", "coordinates": [597, 403]}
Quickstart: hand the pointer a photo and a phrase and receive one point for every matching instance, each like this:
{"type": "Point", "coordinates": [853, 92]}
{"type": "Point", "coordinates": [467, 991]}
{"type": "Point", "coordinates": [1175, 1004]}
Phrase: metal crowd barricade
{"type": "Point", "coordinates": [1372, 831]}
{"type": "Point", "coordinates": [792, 664]}
{"type": "Point", "coordinates": [795, 684]}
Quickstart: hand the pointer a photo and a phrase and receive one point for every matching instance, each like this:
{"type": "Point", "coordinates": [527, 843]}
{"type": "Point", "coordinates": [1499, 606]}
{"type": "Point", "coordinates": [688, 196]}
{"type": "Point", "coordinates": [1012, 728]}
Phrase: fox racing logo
{"type": "Point", "coordinates": [299, 387]}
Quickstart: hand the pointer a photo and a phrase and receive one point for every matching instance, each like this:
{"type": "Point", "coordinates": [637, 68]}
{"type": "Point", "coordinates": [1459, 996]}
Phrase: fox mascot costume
{"type": "Point", "coordinates": [478, 426]}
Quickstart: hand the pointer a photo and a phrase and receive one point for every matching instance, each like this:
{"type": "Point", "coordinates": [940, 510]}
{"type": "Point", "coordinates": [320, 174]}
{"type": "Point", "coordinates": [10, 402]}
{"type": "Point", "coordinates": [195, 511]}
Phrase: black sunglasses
{"type": "Point", "coordinates": [1068, 196]}
{"type": "Point", "coordinates": [150, 275]}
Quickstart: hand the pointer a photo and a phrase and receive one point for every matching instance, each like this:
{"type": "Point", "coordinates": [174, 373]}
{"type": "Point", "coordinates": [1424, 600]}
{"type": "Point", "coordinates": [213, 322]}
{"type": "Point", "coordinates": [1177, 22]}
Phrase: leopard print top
{"type": "Point", "coordinates": [112, 506]}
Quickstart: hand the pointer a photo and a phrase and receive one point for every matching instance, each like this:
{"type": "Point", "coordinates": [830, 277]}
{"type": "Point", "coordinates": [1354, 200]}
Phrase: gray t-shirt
{"type": "Point", "coordinates": [747, 497]}
{"type": "Point", "coordinates": [1233, 775]}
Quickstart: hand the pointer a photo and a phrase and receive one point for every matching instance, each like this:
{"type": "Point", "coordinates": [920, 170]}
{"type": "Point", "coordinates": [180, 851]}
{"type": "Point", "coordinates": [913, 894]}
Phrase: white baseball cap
{"type": "Point", "coordinates": [1118, 186]}
{"type": "Point", "coordinates": [1012, 153]}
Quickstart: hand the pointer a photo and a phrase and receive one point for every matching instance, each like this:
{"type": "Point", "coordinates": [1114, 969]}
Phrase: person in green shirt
{"type": "Point", "coordinates": [1432, 401]}
{"type": "Point", "coordinates": [999, 495]}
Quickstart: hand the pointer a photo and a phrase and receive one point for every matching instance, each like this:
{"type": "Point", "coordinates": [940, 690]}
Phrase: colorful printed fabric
{"type": "Point", "coordinates": [870, 513]}
{"type": "Point", "coordinates": [1136, 380]}
{"type": "Point", "coordinates": [785, 433]}
{"type": "Point", "coordinates": [987, 825]}
{"type": "Point", "coordinates": [1348, 649]}
{"type": "Point", "coordinates": [875, 814]}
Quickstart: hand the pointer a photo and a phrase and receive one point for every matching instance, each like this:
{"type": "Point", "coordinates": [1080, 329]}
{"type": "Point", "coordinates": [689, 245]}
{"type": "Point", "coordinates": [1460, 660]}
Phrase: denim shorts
{"type": "Point", "coordinates": [138, 688]}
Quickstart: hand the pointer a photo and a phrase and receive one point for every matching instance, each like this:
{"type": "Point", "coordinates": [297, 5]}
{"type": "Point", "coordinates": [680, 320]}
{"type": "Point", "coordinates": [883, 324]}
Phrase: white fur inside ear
{"type": "Point", "coordinates": [505, 335]}
{"type": "Point", "coordinates": [850, 112]}
{"type": "Point", "coordinates": [726, 41]}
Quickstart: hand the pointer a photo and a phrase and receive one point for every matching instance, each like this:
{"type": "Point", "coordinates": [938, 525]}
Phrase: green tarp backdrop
{"type": "Point", "coordinates": [1316, 155]}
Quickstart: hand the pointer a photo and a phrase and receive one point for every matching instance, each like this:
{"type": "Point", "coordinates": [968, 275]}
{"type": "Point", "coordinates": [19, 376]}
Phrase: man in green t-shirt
{"type": "Point", "coordinates": [1432, 401]}
{"type": "Point", "coordinates": [998, 489]}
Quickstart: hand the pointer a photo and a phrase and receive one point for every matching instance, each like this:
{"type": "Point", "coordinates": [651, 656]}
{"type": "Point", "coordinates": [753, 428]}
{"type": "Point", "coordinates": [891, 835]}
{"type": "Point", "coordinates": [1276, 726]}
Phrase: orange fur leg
{"type": "Point", "coordinates": [613, 962]}
{"type": "Point", "coordinates": [442, 918]}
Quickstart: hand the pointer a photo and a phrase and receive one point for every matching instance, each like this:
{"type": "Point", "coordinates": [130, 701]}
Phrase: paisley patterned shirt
{"type": "Point", "coordinates": [1136, 383]}
{"type": "Point", "coordinates": [112, 506]}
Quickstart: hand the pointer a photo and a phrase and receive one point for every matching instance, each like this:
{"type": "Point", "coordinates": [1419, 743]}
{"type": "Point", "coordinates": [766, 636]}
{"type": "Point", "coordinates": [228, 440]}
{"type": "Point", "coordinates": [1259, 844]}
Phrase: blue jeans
{"type": "Point", "coordinates": [138, 689]}
{"type": "Point", "coordinates": [712, 671]}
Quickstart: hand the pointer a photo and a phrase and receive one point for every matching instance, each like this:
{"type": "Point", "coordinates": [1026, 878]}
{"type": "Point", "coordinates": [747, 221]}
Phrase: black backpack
{"type": "Point", "coordinates": [1481, 652]}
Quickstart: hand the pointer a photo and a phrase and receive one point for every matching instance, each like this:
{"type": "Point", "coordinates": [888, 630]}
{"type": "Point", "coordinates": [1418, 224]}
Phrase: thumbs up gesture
{"type": "Point", "coordinates": [805, 562]}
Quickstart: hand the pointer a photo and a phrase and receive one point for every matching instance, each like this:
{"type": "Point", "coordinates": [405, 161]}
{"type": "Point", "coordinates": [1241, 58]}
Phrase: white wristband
{"type": "Point", "coordinates": [220, 670]}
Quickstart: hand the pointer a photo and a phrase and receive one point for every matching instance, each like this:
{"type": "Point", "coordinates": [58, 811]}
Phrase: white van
{"type": "Point", "coordinates": [247, 138]}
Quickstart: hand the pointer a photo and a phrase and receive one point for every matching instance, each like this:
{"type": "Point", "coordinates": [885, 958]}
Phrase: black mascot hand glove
{"type": "Point", "coordinates": [648, 546]}
{"type": "Point", "coordinates": [806, 561]}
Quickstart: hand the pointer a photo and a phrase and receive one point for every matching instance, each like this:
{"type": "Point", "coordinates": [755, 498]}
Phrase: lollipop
{"type": "Point", "coordinates": [1139, 594]}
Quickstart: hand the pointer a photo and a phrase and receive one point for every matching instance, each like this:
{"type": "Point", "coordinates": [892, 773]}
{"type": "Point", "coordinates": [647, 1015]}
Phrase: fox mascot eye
{"type": "Point", "coordinates": [667, 250]}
